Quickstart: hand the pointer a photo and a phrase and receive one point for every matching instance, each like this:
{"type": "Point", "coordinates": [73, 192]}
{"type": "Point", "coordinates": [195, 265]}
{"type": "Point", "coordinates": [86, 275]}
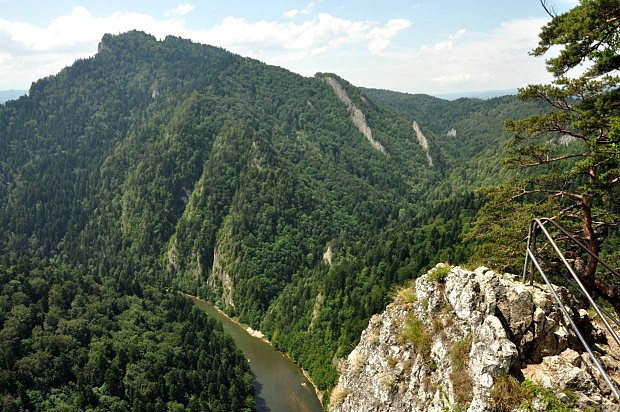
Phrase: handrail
{"type": "Point", "coordinates": [581, 245]}
{"type": "Point", "coordinates": [575, 286]}
{"type": "Point", "coordinates": [582, 289]}
{"type": "Point", "coordinates": [531, 260]}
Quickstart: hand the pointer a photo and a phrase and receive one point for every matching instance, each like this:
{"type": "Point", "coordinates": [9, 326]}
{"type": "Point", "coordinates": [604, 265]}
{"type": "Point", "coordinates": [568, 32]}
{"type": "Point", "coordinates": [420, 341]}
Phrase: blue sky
{"type": "Point", "coordinates": [418, 46]}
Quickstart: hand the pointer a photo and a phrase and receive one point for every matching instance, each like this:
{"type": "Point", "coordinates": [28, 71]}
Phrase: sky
{"type": "Point", "coordinates": [417, 46]}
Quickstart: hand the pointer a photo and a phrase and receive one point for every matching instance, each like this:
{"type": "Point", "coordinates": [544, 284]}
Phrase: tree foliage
{"type": "Point", "coordinates": [70, 342]}
{"type": "Point", "coordinates": [589, 32]}
{"type": "Point", "coordinates": [569, 153]}
{"type": "Point", "coordinates": [159, 164]}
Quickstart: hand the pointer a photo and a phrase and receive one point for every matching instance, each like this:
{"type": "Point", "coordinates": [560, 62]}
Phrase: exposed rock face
{"type": "Point", "coordinates": [357, 117]}
{"type": "Point", "coordinates": [220, 274]}
{"type": "Point", "coordinates": [423, 142]}
{"type": "Point", "coordinates": [223, 261]}
{"type": "Point", "coordinates": [327, 256]}
{"type": "Point", "coordinates": [563, 140]}
{"type": "Point", "coordinates": [449, 339]}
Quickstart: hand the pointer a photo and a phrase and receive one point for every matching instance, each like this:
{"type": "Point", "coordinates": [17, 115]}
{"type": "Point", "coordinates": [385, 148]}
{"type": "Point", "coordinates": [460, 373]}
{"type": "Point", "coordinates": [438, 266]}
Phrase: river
{"type": "Point", "coordinates": [280, 384]}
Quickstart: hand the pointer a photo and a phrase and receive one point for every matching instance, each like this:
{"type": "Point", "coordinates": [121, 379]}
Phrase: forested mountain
{"type": "Point", "coordinates": [72, 342]}
{"type": "Point", "coordinates": [11, 94]}
{"type": "Point", "coordinates": [468, 132]}
{"type": "Point", "coordinates": [296, 204]}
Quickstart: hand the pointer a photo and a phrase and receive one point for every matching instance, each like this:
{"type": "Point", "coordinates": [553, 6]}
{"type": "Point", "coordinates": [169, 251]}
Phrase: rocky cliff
{"type": "Point", "coordinates": [480, 341]}
{"type": "Point", "coordinates": [357, 117]}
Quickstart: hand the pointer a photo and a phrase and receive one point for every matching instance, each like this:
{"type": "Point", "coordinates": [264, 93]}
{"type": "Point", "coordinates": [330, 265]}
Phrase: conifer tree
{"type": "Point", "coordinates": [569, 153]}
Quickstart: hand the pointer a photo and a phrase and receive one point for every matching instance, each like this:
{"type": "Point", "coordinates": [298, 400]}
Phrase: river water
{"type": "Point", "coordinates": [280, 384]}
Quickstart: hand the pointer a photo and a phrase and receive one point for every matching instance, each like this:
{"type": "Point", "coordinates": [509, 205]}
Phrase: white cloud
{"type": "Point", "coordinates": [447, 44]}
{"type": "Point", "coordinates": [296, 12]}
{"type": "Point", "coordinates": [451, 79]}
{"type": "Point", "coordinates": [80, 30]}
{"type": "Point", "coordinates": [291, 41]}
{"type": "Point", "coordinates": [466, 60]}
{"type": "Point", "coordinates": [380, 36]}
{"type": "Point", "coordinates": [76, 35]}
{"type": "Point", "coordinates": [180, 10]}
{"type": "Point", "coordinates": [285, 41]}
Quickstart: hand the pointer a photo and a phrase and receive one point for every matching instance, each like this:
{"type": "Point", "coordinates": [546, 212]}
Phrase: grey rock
{"type": "Point", "coordinates": [476, 326]}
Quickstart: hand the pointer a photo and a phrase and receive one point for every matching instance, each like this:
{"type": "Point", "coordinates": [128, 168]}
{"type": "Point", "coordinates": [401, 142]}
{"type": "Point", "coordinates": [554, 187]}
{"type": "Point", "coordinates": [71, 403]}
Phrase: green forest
{"type": "Point", "coordinates": [163, 166]}
{"type": "Point", "coordinates": [72, 341]}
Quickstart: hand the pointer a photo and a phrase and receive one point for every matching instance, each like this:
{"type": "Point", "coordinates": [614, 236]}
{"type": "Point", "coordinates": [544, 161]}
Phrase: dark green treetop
{"type": "Point", "coordinates": [568, 154]}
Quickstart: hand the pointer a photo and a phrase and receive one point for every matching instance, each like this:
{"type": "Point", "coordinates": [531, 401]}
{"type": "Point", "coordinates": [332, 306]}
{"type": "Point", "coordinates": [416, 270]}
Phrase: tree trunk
{"type": "Point", "coordinates": [604, 289]}
{"type": "Point", "coordinates": [589, 274]}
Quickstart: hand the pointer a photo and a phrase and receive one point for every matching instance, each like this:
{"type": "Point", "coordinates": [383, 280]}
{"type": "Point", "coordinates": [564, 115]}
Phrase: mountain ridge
{"type": "Point", "coordinates": [182, 165]}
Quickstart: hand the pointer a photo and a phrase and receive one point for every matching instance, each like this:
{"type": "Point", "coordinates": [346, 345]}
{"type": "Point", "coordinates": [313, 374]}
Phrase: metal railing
{"type": "Point", "coordinates": [537, 226]}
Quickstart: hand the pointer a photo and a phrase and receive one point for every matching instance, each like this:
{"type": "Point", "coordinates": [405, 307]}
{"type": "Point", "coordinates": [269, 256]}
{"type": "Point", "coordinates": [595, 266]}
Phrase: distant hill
{"type": "Point", "coordinates": [11, 94]}
{"type": "Point", "coordinates": [483, 94]}
{"type": "Point", "coordinates": [466, 133]}
{"type": "Point", "coordinates": [295, 204]}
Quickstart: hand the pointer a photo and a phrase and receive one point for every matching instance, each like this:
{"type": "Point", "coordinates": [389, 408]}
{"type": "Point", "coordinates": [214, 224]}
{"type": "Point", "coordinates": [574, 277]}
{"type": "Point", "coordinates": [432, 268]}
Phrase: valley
{"type": "Point", "coordinates": [280, 384]}
{"type": "Point", "coordinates": [296, 205]}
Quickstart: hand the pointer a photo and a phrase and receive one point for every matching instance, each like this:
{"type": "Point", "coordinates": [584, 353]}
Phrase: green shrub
{"type": "Point", "coordinates": [415, 332]}
{"type": "Point", "coordinates": [439, 273]}
{"type": "Point", "coordinates": [546, 398]}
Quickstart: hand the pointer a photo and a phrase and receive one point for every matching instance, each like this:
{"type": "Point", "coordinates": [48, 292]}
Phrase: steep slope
{"type": "Point", "coordinates": [357, 117]}
{"type": "Point", "coordinates": [458, 339]}
{"type": "Point", "coordinates": [182, 165]}
{"type": "Point", "coordinates": [462, 134]}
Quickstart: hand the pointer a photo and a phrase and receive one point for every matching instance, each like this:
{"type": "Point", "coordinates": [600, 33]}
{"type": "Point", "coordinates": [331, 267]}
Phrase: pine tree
{"type": "Point", "coordinates": [569, 153]}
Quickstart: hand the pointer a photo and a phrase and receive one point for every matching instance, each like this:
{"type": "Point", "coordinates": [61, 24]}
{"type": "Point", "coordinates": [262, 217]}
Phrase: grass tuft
{"type": "Point", "coordinates": [459, 359]}
{"type": "Point", "coordinates": [439, 273]}
{"type": "Point", "coordinates": [415, 332]}
{"type": "Point", "coordinates": [338, 396]}
{"type": "Point", "coordinates": [507, 394]}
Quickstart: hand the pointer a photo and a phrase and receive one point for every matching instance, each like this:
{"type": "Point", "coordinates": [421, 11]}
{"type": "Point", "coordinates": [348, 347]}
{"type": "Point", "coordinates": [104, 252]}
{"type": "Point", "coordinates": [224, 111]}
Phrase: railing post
{"type": "Point", "coordinates": [527, 255]}
{"type": "Point", "coordinates": [534, 230]}
{"type": "Point", "coordinates": [597, 364]}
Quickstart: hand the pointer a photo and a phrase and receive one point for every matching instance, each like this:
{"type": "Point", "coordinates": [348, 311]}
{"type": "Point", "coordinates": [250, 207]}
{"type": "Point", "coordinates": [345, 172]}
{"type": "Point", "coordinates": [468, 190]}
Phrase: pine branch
{"type": "Point", "coordinates": [555, 192]}
{"type": "Point", "coordinates": [548, 9]}
{"type": "Point", "coordinates": [555, 159]}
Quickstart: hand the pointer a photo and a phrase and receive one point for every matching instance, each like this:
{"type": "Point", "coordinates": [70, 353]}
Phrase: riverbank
{"type": "Point", "coordinates": [259, 335]}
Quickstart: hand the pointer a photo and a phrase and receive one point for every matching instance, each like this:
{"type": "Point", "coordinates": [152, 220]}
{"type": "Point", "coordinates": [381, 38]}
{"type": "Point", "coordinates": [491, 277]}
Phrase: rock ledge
{"type": "Point", "coordinates": [446, 341]}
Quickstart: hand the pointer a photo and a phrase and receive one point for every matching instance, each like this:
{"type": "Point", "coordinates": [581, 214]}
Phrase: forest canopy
{"type": "Point", "coordinates": [70, 342]}
{"type": "Point", "coordinates": [169, 165]}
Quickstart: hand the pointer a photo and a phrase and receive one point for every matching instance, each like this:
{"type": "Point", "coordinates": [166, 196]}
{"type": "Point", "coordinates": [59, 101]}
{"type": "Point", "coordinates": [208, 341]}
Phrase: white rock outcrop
{"type": "Point", "coordinates": [357, 117]}
{"type": "Point", "coordinates": [445, 342]}
{"type": "Point", "coordinates": [423, 142]}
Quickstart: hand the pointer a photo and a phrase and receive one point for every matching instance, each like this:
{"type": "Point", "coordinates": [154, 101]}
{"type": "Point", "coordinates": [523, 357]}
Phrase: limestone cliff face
{"type": "Point", "coordinates": [452, 340]}
{"type": "Point", "coordinates": [423, 142]}
{"type": "Point", "coordinates": [357, 117]}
